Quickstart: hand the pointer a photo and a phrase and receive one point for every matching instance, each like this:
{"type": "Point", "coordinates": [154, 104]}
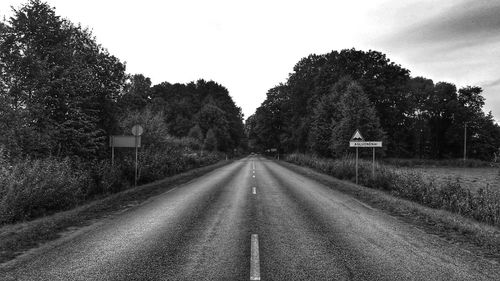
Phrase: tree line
{"type": "Point", "coordinates": [327, 97]}
{"type": "Point", "coordinates": [62, 94]}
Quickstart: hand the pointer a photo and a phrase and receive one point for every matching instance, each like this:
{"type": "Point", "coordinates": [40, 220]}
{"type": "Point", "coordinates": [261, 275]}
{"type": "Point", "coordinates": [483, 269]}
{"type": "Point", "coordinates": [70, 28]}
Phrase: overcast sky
{"type": "Point", "coordinates": [251, 46]}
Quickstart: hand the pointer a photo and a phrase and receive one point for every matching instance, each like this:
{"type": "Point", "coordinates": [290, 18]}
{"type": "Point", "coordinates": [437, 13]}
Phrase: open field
{"type": "Point", "coordinates": [473, 178]}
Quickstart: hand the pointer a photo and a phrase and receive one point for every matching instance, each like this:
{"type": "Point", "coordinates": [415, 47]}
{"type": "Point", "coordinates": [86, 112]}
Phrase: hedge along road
{"type": "Point", "coordinates": [216, 228]}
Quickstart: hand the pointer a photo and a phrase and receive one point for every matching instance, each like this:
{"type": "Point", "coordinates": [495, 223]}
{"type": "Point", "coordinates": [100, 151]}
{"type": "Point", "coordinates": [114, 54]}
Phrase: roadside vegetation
{"type": "Point", "coordinates": [482, 205]}
{"type": "Point", "coordinates": [468, 163]}
{"type": "Point", "coordinates": [327, 97]}
{"type": "Point", "coordinates": [62, 95]}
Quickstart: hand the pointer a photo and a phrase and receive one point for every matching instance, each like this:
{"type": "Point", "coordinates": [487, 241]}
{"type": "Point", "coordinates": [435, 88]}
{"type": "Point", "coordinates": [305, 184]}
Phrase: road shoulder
{"type": "Point", "coordinates": [478, 238]}
{"type": "Point", "coordinates": [23, 239]}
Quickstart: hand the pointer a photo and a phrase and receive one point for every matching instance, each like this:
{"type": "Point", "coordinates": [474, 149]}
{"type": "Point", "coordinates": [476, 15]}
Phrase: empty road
{"type": "Point", "coordinates": [251, 220]}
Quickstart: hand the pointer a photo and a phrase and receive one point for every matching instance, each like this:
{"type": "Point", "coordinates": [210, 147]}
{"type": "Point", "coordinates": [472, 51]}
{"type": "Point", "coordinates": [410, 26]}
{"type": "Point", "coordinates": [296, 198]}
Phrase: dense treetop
{"type": "Point", "coordinates": [328, 96]}
{"type": "Point", "coordinates": [62, 94]}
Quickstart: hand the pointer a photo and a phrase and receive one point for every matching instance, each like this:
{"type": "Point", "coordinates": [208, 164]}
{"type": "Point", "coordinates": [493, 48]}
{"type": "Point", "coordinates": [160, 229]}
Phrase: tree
{"type": "Point", "coordinates": [196, 133]}
{"type": "Point", "coordinates": [136, 93]}
{"type": "Point", "coordinates": [326, 115]}
{"type": "Point", "coordinates": [420, 90]}
{"type": "Point", "coordinates": [357, 113]}
{"type": "Point", "coordinates": [207, 104]}
{"type": "Point", "coordinates": [440, 108]}
{"type": "Point", "coordinates": [210, 141]}
{"type": "Point", "coordinates": [59, 81]}
{"type": "Point", "coordinates": [313, 78]}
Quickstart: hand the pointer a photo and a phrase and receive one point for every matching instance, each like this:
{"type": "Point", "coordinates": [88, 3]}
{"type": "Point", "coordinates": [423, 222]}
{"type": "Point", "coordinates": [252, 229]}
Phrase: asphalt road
{"type": "Point", "coordinates": [202, 230]}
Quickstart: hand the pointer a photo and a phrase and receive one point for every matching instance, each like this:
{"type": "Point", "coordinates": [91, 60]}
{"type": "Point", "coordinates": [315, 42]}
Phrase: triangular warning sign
{"type": "Point", "coordinates": [357, 136]}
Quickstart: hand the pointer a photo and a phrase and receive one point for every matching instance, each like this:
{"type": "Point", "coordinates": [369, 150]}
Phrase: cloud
{"type": "Point", "coordinates": [492, 83]}
{"type": "Point", "coordinates": [463, 24]}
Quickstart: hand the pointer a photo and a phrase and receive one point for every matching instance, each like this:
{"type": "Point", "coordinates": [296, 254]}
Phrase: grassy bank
{"type": "Point", "coordinates": [482, 205]}
{"type": "Point", "coordinates": [33, 188]}
{"type": "Point", "coordinates": [20, 237]}
{"type": "Point", "coordinates": [480, 238]}
{"type": "Point", "coordinates": [469, 163]}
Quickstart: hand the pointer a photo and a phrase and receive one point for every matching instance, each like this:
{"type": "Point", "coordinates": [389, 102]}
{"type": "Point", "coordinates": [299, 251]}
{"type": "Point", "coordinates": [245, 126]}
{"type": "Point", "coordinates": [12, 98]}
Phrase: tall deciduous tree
{"type": "Point", "coordinates": [59, 81]}
{"type": "Point", "coordinates": [357, 114]}
{"type": "Point", "coordinates": [210, 141]}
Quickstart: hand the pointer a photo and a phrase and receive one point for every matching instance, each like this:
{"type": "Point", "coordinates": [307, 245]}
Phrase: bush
{"type": "Point", "coordinates": [470, 163]}
{"type": "Point", "coordinates": [483, 205]}
{"type": "Point", "coordinates": [35, 188]}
{"type": "Point", "coordinates": [103, 178]}
{"type": "Point", "coordinates": [174, 157]}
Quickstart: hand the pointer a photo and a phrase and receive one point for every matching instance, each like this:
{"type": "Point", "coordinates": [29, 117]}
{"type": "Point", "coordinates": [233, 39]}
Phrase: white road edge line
{"type": "Point", "coordinates": [254, 258]}
{"type": "Point", "coordinates": [172, 189]}
{"type": "Point", "coordinates": [254, 190]}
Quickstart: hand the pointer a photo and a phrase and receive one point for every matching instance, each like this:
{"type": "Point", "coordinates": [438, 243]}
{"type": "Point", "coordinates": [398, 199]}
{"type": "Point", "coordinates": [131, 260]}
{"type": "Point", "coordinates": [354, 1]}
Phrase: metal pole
{"type": "Point", "coordinates": [356, 165]}
{"type": "Point", "coordinates": [136, 160]}
{"type": "Point", "coordinates": [373, 164]}
{"type": "Point", "coordinates": [112, 151]}
{"type": "Point", "coordinates": [465, 141]}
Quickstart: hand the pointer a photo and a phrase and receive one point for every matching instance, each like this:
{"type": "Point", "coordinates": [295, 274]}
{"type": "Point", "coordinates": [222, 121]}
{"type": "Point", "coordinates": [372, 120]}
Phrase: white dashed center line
{"type": "Point", "coordinates": [254, 190]}
{"type": "Point", "coordinates": [254, 258]}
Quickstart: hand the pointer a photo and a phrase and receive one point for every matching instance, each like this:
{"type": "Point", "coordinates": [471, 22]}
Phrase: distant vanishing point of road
{"type": "Point", "coordinates": [251, 220]}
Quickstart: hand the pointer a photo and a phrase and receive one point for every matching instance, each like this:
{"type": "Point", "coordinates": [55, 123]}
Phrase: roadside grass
{"type": "Point", "coordinates": [33, 188]}
{"type": "Point", "coordinates": [469, 163]}
{"type": "Point", "coordinates": [476, 236]}
{"type": "Point", "coordinates": [16, 239]}
{"type": "Point", "coordinates": [482, 205]}
{"type": "Point", "coordinates": [470, 178]}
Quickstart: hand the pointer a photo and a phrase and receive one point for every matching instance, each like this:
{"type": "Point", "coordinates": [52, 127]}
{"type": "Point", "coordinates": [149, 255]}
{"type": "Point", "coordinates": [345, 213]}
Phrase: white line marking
{"type": "Point", "coordinates": [253, 176]}
{"type": "Point", "coordinates": [254, 190]}
{"type": "Point", "coordinates": [171, 189]}
{"type": "Point", "coordinates": [254, 258]}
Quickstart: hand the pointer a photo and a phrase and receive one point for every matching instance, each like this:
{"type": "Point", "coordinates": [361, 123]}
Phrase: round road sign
{"type": "Point", "coordinates": [137, 130]}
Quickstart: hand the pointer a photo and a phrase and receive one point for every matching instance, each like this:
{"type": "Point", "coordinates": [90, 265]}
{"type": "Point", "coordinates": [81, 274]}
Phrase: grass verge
{"type": "Point", "coordinates": [480, 238]}
{"type": "Point", "coordinates": [17, 238]}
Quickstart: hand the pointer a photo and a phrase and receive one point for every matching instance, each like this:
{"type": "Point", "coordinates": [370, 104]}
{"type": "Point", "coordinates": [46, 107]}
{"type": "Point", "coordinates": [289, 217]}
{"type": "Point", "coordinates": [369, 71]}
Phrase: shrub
{"type": "Point", "coordinates": [35, 188]}
{"type": "Point", "coordinates": [103, 178]}
{"type": "Point", "coordinates": [470, 163]}
{"type": "Point", "coordinates": [483, 205]}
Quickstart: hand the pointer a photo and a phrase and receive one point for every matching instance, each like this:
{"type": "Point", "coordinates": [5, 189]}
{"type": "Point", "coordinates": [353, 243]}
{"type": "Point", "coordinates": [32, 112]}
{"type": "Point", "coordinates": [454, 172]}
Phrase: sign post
{"type": "Point", "coordinates": [137, 131]}
{"type": "Point", "coordinates": [357, 141]}
{"type": "Point", "coordinates": [357, 137]}
{"type": "Point", "coordinates": [122, 141]}
{"type": "Point", "coordinates": [128, 141]}
{"type": "Point", "coordinates": [111, 140]}
{"type": "Point", "coordinates": [356, 165]}
{"type": "Point", "coordinates": [373, 163]}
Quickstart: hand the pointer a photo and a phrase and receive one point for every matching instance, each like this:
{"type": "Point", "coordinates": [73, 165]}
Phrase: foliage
{"type": "Point", "coordinates": [196, 133]}
{"type": "Point", "coordinates": [470, 163]}
{"type": "Point", "coordinates": [62, 94]}
{"type": "Point", "coordinates": [206, 104]}
{"type": "Point", "coordinates": [210, 143]}
{"type": "Point", "coordinates": [59, 85]}
{"type": "Point", "coordinates": [419, 119]}
{"type": "Point", "coordinates": [357, 113]}
{"type": "Point", "coordinates": [136, 93]}
{"type": "Point", "coordinates": [483, 205]}
{"type": "Point", "coordinates": [32, 188]}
